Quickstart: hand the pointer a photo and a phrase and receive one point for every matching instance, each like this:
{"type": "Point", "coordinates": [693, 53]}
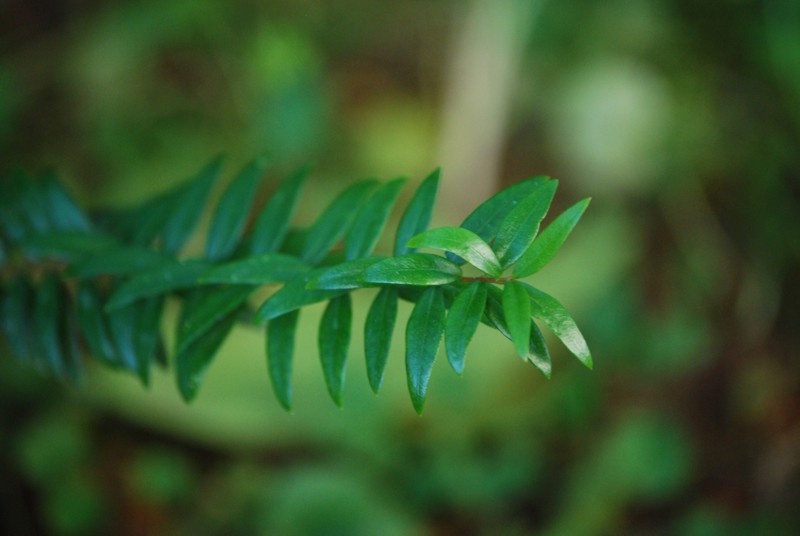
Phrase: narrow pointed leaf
{"type": "Point", "coordinates": [463, 243]}
{"type": "Point", "coordinates": [378, 331]}
{"type": "Point", "coordinates": [371, 220]}
{"type": "Point", "coordinates": [213, 305]}
{"type": "Point", "coordinates": [547, 244]}
{"type": "Point", "coordinates": [519, 227]}
{"type": "Point", "coordinates": [16, 317]}
{"type": "Point", "coordinates": [46, 321]}
{"type": "Point", "coordinates": [347, 275]}
{"type": "Point", "coordinates": [147, 337]}
{"type": "Point", "coordinates": [418, 213]}
{"type": "Point", "coordinates": [273, 222]}
{"type": "Point", "coordinates": [485, 220]}
{"type": "Point", "coordinates": [294, 295]}
{"type": "Point", "coordinates": [558, 320]}
{"type": "Point", "coordinates": [117, 261]}
{"type": "Point", "coordinates": [63, 212]}
{"type": "Point", "coordinates": [263, 269]}
{"type": "Point", "coordinates": [517, 310]}
{"type": "Point", "coordinates": [93, 324]}
{"type": "Point", "coordinates": [334, 342]}
{"type": "Point", "coordinates": [66, 245]}
{"type": "Point", "coordinates": [335, 221]}
{"type": "Point", "coordinates": [70, 347]}
{"type": "Point", "coordinates": [160, 280]}
{"type": "Point", "coordinates": [413, 269]}
{"type": "Point", "coordinates": [280, 351]}
{"type": "Point", "coordinates": [462, 321]}
{"type": "Point", "coordinates": [423, 334]}
{"type": "Point", "coordinates": [232, 210]}
{"type": "Point", "coordinates": [122, 327]}
{"type": "Point", "coordinates": [191, 364]}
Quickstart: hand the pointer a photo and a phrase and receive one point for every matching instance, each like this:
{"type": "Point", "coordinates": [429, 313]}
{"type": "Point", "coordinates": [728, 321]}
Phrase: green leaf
{"type": "Point", "coordinates": [371, 220]}
{"type": "Point", "coordinates": [122, 326]}
{"type": "Point", "coordinates": [93, 323]}
{"type": "Point", "coordinates": [207, 309]}
{"type": "Point", "coordinates": [378, 334]}
{"type": "Point", "coordinates": [280, 349]}
{"type": "Point", "coordinates": [547, 244]}
{"type": "Point", "coordinates": [485, 220]}
{"type": "Point", "coordinates": [184, 206]}
{"type": "Point", "coordinates": [65, 245]}
{"type": "Point", "coordinates": [335, 221]}
{"type": "Point", "coordinates": [160, 280]}
{"type": "Point", "coordinates": [294, 295]}
{"type": "Point", "coordinates": [233, 209]}
{"type": "Point", "coordinates": [191, 364]}
{"type": "Point", "coordinates": [538, 354]}
{"type": "Point", "coordinates": [517, 310]}
{"type": "Point", "coordinates": [263, 269]}
{"type": "Point", "coordinates": [347, 275]}
{"type": "Point", "coordinates": [70, 346]}
{"type": "Point", "coordinates": [423, 334]}
{"type": "Point", "coordinates": [16, 317]}
{"type": "Point", "coordinates": [413, 269]}
{"type": "Point", "coordinates": [273, 222]}
{"type": "Point", "coordinates": [520, 226]}
{"type": "Point", "coordinates": [46, 320]}
{"type": "Point", "coordinates": [117, 261]}
{"type": "Point", "coordinates": [558, 320]}
{"type": "Point", "coordinates": [63, 213]}
{"type": "Point", "coordinates": [418, 213]}
{"type": "Point", "coordinates": [462, 321]}
{"type": "Point", "coordinates": [463, 243]}
{"type": "Point", "coordinates": [334, 342]}
{"type": "Point", "coordinates": [147, 336]}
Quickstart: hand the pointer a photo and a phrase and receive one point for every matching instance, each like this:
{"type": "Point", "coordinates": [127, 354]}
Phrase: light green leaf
{"type": "Point", "coordinates": [413, 269]}
{"type": "Point", "coordinates": [347, 275]}
{"type": "Point", "coordinates": [520, 226]}
{"type": "Point", "coordinates": [418, 213]}
{"type": "Point", "coordinates": [263, 269]}
{"type": "Point", "coordinates": [463, 243]}
{"type": "Point", "coordinates": [211, 305]}
{"type": "Point", "coordinates": [547, 244]}
{"type": "Point", "coordinates": [334, 342]}
{"type": "Point", "coordinates": [273, 222]}
{"type": "Point", "coordinates": [280, 350]}
{"type": "Point", "coordinates": [423, 334]}
{"type": "Point", "coordinates": [558, 320]}
{"type": "Point", "coordinates": [517, 310]}
{"type": "Point", "coordinates": [294, 295]}
{"type": "Point", "coordinates": [191, 364]}
{"type": "Point", "coordinates": [233, 210]}
{"type": "Point", "coordinates": [462, 321]}
{"type": "Point", "coordinates": [335, 221]}
{"type": "Point", "coordinates": [117, 261]}
{"type": "Point", "coordinates": [371, 220]}
{"type": "Point", "coordinates": [378, 334]}
{"type": "Point", "coordinates": [160, 280]}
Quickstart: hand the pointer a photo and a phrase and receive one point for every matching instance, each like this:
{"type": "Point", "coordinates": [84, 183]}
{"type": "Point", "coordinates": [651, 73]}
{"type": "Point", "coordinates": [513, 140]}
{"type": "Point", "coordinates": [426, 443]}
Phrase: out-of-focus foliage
{"type": "Point", "coordinates": [680, 118]}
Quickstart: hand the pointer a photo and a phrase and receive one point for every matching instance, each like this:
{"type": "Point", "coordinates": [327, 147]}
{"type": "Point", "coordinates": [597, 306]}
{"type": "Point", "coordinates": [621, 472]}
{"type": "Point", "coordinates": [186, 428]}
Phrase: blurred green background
{"type": "Point", "coordinates": [680, 118]}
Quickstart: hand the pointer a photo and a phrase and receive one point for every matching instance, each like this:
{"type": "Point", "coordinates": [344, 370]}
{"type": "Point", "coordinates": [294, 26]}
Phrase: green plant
{"type": "Point", "coordinates": [99, 283]}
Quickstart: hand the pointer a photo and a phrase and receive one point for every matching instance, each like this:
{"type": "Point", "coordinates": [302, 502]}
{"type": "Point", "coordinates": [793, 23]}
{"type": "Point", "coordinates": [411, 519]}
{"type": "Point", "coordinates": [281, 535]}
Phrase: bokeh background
{"type": "Point", "coordinates": [680, 118]}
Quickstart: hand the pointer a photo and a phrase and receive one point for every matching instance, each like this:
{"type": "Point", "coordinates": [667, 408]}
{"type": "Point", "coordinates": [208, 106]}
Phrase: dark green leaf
{"type": "Point", "coordinates": [93, 324]}
{"type": "Point", "coordinates": [210, 306]}
{"type": "Point", "coordinates": [122, 328]}
{"type": "Point", "coordinates": [280, 350]}
{"type": "Point", "coordinates": [13, 220]}
{"type": "Point", "coordinates": [371, 220]}
{"type": "Point", "coordinates": [294, 295]}
{"type": "Point", "coordinates": [117, 261]}
{"type": "Point", "coordinates": [423, 334]}
{"type": "Point", "coordinates": [334, 342]}
{"type": "Point", "coordinates": [517, 310]}
{"type": "Point", "coordinates": [462, 321]}
{"type": "Point", "coordinates": [335, 221]}
{"type": "Point", "coordinates": [261, 270]}
{"type": "Point", "coordinates": [463, 243]}
{"type": "Point", "coordinates": [413, 269]}
{"type": "Point", "coordinates": [520, 226]}
{"type": "Point", "coordinates": [418, 213]}
{"type": "Point", "coordinates": [147, 337]}
{"type": "Point", "coordinates": [558, 320]}
{"type": "Point", "coordinates": [347, 275]}
{"type": "Point", "coordinates": [273, 222]}
{"type": "Point", "coordinates": [46, 320]}
{"type": "Point", "coordinates": [547, 244]}
{"type": "Point", "coordinates": [70, 346]}
{"type": "Point", "coordinates": [16, 317]}
{"type": "Point", "coordinates": [62, 211]}
{"type": "Point", "coordinates": [233, 209]}
{"type": "Point", "coordinates": [378, 334]}
{"type": "Point", "coordinates": [66, 245]}
{"type": "Point", "coordinates": [191, 364]}
{"type": "Point", "coordinates": [176, 275]}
